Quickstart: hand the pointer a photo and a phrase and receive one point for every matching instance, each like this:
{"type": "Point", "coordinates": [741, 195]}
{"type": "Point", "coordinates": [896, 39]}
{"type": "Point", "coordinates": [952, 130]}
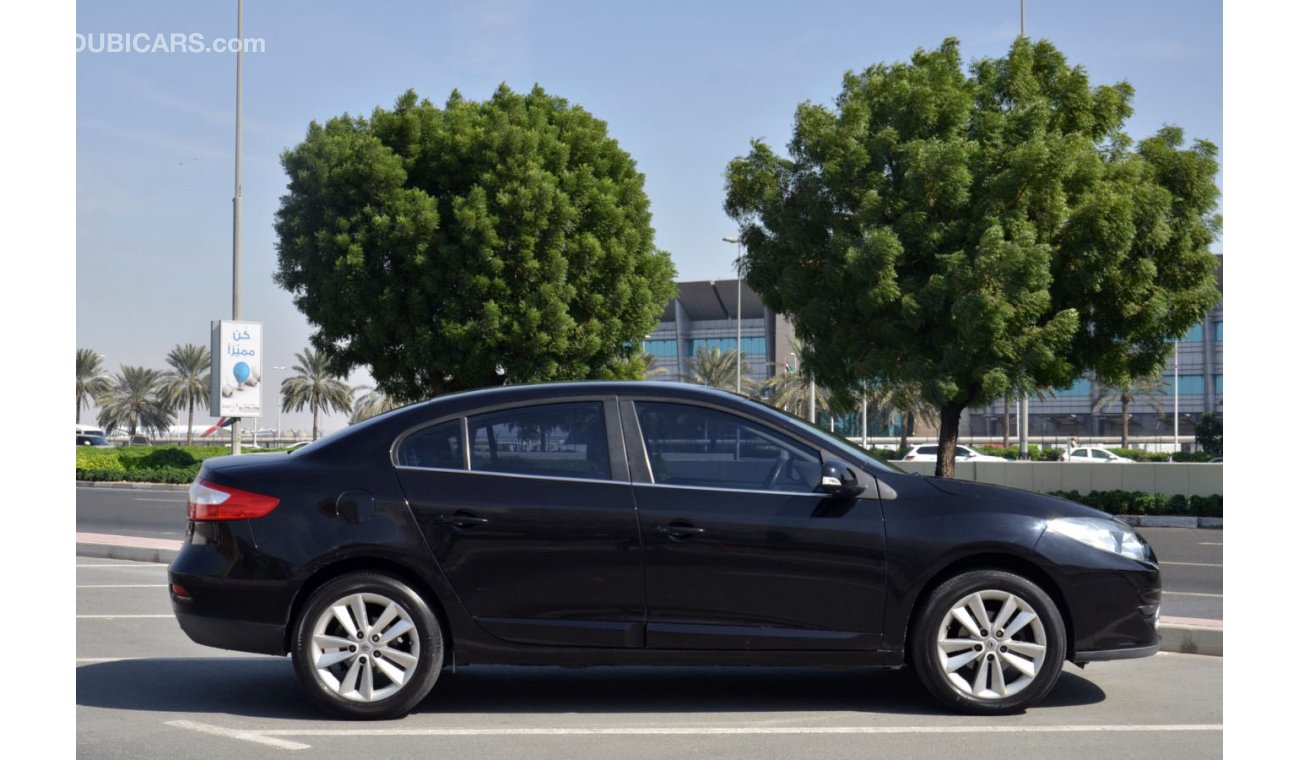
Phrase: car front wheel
{"type": "Point", "coordinates": [989, 642]}
{"type": "Point", "coordinates": [367, 646]}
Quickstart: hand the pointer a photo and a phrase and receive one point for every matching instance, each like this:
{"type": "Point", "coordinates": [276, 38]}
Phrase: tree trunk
{"type": "Point", "coordinates": [78, 410]}
{"type": "Point", "coordinates": [945, 465]}
{"type": "Point", "coordinates": [1124, 400]}
{"type": "Point", "coordinates": [313, 420]}
{"type": "Point", "coordinates": [189, 429]}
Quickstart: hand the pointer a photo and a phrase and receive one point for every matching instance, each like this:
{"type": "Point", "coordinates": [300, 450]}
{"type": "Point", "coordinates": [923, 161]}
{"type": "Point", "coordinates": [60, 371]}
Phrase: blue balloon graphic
{"type": "Point", "coordinates": [241, 372]}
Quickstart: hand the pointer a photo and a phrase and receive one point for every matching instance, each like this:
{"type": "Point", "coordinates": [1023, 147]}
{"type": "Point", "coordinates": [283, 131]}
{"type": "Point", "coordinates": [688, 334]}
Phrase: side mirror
{"type": "Point", "coordinates": [838, 481]}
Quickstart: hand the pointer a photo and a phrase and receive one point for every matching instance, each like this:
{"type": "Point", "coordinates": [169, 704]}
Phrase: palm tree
{"type": "Point", "coordinates": [132, 401]}
{"type": "Point", "coordinates": [91, 381]}
{"type": "Point", "coordinates": [650, 367]}
{"type": "Point", "coordinates": [314, 386]}
{"type": "Point", "coordinates": [789, 392]}
{"type": "Point", "coordinates": [717, 369]}
{"type": "Point", "coordinates": [903, 399]}
{"type": "Point", "coordinates": [372, 403]}
{"type": "Point", "coordinates": [1126, 392]}
{"type": "Point", "coordinates": [188, 381]}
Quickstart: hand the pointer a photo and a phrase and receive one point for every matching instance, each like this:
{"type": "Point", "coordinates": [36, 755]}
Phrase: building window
{"type": "Point", "coordinates": [749, 346]}
{"type": "Point", "coordinates": [1218, 385]}
{"type": "Point", "coordinates": [1218, 331]}
{"type": "Point", "coordinates": [1194, 335]}
{"type": "Point", "coordinates": [1188, 385]}
{"type": "Point", "coordinates": [666, 349]}
{"type": "Point", "coordinates": [1081, 388]}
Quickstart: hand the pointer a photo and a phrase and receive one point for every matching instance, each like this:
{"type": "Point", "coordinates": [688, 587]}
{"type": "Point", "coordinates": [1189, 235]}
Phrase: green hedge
{"type": "Point", "coordinates": [1036, 453]}
{"type": "Point", "coordinates": [1142, 503]}
{"type": "Point", "coordinates": [142, 475]}
{"type": "Point", "coordinates": [144, 464]}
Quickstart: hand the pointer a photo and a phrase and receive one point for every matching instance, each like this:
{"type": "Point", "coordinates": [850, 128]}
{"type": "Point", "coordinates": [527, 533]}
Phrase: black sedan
{"type": "Point", "coordinates": [643, 524]}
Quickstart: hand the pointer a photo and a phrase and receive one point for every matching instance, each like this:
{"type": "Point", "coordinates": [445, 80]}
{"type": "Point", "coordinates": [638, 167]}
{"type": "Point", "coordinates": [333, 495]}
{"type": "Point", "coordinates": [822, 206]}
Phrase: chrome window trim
{"type": "Point", "coordinates": [509, 475]}
{"type": "Point", "coordinates": [818, 494]}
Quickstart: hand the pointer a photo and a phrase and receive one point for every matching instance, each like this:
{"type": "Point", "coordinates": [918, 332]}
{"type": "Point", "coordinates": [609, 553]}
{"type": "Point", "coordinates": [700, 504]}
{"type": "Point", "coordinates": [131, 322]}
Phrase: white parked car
{"type": "Point", "coordinates": [1092, 454]}
{"type": "Point", "coordinates": [929, 452]}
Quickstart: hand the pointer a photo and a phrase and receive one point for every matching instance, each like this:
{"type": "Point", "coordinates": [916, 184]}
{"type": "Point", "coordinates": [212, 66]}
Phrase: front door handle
{"type": "Point", "coordinates": [464, 520]}
{"type": "Point", "coordinates": [679, 530]}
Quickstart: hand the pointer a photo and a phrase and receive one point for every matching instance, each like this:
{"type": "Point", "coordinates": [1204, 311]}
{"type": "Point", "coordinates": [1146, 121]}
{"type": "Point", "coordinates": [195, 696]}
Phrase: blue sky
{"type": "Point", "coordinates": [683, 86]}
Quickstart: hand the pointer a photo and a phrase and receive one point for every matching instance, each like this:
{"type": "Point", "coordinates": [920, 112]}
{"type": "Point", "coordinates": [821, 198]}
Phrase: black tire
{"type": "Point", "coordinates": [422, 644]}
{"type": "Point", "coordinates": [980, 693]}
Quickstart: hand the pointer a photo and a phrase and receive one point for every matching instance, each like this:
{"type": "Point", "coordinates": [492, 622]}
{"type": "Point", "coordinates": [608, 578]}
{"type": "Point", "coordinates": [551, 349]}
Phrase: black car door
{"type": "Point", "coordinates": [742, 551]}
{"type": "Point", "coordinates": [532, 520]}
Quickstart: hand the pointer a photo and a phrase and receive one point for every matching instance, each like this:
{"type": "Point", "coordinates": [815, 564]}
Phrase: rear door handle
{"type": "Point", "coordinates": [679, 530]}
{"type": "Point", "coordinates": [464, 520]}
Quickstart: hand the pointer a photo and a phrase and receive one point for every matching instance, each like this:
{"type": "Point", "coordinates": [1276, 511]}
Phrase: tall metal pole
{"type": "Point", "coordinates": [238, 200]}
{"type": "Point", "coordinates": [812, 399]}
{"type": "Point", "coordinates": [1176, 447]}
{"type": "Point", "coordinates": [740, 356]}
{"type": "Point", "coordinates": [1024, 426]}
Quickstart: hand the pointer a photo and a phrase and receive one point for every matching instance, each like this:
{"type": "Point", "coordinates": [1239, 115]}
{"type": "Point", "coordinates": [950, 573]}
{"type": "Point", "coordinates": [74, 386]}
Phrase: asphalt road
{"type": "Point", "coordinates": [1191, 561]}
{"type": "Point", "coordinates": [145, 690]}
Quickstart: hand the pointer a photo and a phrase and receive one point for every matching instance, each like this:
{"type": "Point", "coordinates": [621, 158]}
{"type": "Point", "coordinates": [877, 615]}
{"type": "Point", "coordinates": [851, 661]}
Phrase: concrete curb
{"type": "Point", "coordinates": [1183, 635]}
{"type": "Point", "coordinates": [132, 548]}
{"type": "Point", "coordinates": [136, 486]}
{"type": "Point", "coordinates": [1192, 636]}
{"type": "Point", "coordinates": [1172, 521]}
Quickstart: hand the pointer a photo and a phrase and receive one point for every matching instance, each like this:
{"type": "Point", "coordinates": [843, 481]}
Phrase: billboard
{"type": "Point", "coordinates": [236, 369]}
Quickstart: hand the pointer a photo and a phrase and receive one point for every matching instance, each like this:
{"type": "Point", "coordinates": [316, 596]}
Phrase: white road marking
{"type": "Point", "coordinates": [124, 617]}
{"type": "Point", "coordinates": [1211, 543]}
{"type": "Point", "coordinates": [139, 585]}
{"type": "Point", "coordinates": [268, 736]}
{"type": "Point", "coordinates": [1192, 564]}
{"type": "Point", "coordinates": [231, 733]}
{"type": "Point", "coordinates": [1191, 593]}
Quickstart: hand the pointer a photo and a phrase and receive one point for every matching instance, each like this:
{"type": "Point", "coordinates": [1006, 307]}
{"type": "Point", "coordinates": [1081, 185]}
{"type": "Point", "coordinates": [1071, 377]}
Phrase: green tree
{"type": "Point", "coordinates": [717, 369]}
{"type": "Point", "coordinates": [906, 401]}
{"type": "Point", "coordinates": [91, 381]}
{"type": "Point", "coordinates": [371, 403]}
{"type": "Point", "coordinates": [483, 243]}
{"type": "Point", "coordinates": [650, 367]}
{"type": "Point", "coordinates": [1149, 387]}
{"type": "Point", "coordinates": [317, 387]}
{"type": "Point", "coordinates": [978, 234]}
{"type": "Point", "coordinates": [1209, 434]}
{"type": "Point", "coordinates": [188, 381]}
{"type": "Point", "coordinates": [132, 401]}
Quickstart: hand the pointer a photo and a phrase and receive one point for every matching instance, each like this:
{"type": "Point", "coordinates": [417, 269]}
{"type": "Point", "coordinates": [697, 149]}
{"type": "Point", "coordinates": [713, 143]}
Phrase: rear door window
{"type": "Point", "coordinates": [551, 440]}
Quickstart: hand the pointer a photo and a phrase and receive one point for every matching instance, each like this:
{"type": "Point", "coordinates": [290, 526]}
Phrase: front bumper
{"type": "Point", "coordinates": [1113, 602]}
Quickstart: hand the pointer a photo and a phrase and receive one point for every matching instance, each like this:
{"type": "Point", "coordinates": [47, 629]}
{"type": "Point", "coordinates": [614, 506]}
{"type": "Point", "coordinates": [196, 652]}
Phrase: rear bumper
{"type": "Point", "coordinates": [239, 635]}
{"type": "Point", "coordinates": [231, 601]}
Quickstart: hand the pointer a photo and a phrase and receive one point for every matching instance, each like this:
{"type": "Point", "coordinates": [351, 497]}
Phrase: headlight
{"type": "Point", "coordinates": [1108, 535]}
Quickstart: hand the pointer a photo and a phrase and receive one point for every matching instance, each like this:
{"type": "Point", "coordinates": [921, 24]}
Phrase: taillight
{"type": "Point", "coordinates": [209, 501]}
{"type": "Point", "coordinates": [909, 457]}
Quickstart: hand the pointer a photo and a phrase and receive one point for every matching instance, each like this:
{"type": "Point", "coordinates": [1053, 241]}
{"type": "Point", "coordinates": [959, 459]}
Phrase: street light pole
{"type": "Point", "coordinates": [278, 409]}
{"type": "Point", "coordinates": [238, 200]}
{"type": "Point", "coordinates": [739, 354]}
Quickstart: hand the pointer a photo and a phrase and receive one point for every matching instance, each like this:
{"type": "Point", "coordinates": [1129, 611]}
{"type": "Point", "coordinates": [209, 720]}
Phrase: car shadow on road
{"type": "Point", "coordinates": [266, 687]}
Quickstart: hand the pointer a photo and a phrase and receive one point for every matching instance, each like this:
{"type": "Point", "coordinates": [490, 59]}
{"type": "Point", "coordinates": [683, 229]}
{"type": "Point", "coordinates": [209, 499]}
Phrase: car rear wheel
{"type": "Point", "coordinates": [989, 642]}
{"type": "Point", "coordinates": [367, 646]}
